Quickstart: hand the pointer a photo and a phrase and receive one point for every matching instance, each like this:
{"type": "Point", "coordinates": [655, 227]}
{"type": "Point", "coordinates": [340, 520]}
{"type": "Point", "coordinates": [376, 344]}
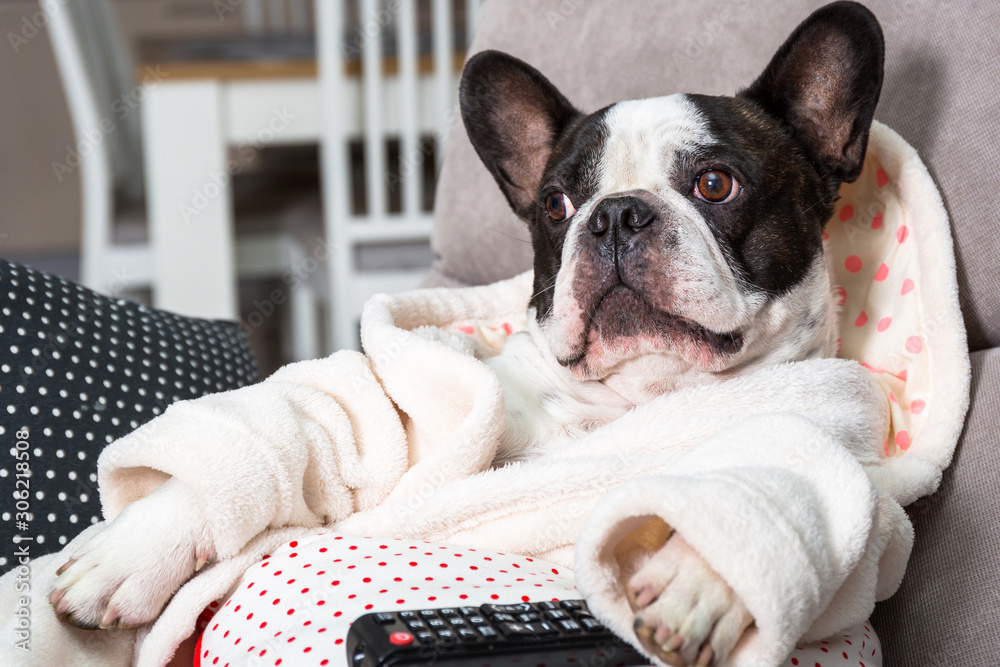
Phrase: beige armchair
{"type": "Point", "coordinates": [941, 81]}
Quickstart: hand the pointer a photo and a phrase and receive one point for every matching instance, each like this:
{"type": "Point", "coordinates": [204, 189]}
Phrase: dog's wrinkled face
{"type": "Point", "coordinates": [684, 228]}
{"type": "Point", "coordinates": [684, 235]}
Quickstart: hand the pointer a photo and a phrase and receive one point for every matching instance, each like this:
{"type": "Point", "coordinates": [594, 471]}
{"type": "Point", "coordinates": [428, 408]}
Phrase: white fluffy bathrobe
{"type": "Point", "coordinates": [789, 481]}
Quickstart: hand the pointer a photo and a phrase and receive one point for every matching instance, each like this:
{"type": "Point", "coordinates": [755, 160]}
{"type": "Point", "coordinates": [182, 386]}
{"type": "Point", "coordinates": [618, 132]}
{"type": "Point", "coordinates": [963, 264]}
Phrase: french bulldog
{"type": "Point", "coordinates": [677, 240]}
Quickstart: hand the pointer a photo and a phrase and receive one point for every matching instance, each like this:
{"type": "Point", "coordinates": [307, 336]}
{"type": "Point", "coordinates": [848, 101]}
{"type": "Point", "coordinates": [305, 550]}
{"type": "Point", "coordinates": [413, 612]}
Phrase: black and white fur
{"type": "Point", "coordinates": [645, 287]}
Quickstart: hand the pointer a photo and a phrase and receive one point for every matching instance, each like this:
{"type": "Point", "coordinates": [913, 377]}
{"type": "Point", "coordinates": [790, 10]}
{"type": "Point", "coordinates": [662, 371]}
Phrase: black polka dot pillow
{"type": "Point", "coordinates": [77, 371]}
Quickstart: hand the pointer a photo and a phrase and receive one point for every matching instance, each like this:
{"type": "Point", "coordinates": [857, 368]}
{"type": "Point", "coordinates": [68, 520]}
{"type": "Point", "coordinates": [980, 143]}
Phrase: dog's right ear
{"type": "Point", "coordinates": [513, 116]}
{"type": "Point", "coordinates": [825, 82]}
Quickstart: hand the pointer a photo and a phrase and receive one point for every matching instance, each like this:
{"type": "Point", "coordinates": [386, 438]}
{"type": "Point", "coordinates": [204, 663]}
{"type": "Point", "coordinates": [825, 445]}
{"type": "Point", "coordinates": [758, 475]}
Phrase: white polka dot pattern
{"type": "Point", "coordinates": [80, 370]}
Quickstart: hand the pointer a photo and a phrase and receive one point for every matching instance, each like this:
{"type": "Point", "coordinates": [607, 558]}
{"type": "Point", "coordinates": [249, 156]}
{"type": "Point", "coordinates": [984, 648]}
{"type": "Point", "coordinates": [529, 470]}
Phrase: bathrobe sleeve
{"type": "Point", "coordinates": [312, 444]}
{"type": "Point", "coordinates": [780, 504]}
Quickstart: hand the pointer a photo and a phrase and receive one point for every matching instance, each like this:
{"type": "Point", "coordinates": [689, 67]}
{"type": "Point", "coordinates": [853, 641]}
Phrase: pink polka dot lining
{"type": "Point", "coordinates": [870, 241]}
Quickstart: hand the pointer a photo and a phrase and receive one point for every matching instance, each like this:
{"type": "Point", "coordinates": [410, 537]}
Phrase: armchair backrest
{"type": "Point", "coordinates": [939, 94]}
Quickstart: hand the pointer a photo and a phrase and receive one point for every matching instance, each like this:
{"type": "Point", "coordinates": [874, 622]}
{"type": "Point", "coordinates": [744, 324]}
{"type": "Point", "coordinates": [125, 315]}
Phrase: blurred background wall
{"type": "Point", "coordinates": [41, 216]}
{"type": "Point", "coordinates": [391, 121]}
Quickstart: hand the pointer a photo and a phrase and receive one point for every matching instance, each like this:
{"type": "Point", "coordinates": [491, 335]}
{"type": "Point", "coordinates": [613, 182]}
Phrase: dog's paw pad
{"type": "Point", "coordinates": [685, 613]}
{"type": "Point", "coordinates": [659, 639]}
{"type": "Point", "coordinates": [125, 574]}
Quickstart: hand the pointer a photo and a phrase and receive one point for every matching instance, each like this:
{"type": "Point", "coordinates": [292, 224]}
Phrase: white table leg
{"type": "Point", "coordinates": [189, 200]}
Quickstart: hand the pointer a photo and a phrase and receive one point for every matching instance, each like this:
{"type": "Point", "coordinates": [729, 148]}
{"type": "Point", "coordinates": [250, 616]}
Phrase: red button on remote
{"type": "Point", "coordinates": [401, 638]}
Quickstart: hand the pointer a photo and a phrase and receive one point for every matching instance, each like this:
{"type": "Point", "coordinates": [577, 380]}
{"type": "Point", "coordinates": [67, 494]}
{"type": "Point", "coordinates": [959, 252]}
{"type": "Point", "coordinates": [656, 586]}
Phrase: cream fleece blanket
{"type": "Point", "coordinates": [790, 480]}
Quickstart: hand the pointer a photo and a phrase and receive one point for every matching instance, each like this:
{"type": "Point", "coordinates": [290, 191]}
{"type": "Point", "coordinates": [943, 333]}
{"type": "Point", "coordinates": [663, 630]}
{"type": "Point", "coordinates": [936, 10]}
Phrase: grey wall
{"type": "Point", "coordinates": [39, 216]}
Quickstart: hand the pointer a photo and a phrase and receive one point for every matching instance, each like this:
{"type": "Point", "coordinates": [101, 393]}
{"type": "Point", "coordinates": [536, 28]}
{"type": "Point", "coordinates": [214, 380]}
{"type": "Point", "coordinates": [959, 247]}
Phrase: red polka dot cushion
{"type": "Point", "coordinates": [295, 607]}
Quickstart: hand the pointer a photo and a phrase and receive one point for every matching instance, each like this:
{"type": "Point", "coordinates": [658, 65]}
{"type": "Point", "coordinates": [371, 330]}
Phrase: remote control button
{"type": "Point", "coordinates": [571, 604]}
{"type": "Point", "coordinates": [426, 637]}
{"type": "Point", "coordinates": [448, 611]}
{"type": "Point", "coordinates": [446, 635]}
{"type": "Point", "coordinates": [544, 628]}
{"type": "Point", "coordinates": [467, 635]}
{"type": "Point", "coordinates": [384, 619]}
{"type": "Point", "coordinates": [436, 623]}
{"type": "Point", "coordinates": [491, 609]}
{"type": "Point", "coordinates": [503, 618]}
{"type": "Point", "coordinates": [401, 638]}
{"type": "Point", "coordinates": [428, 613]}
{"type": "Point", "coordinates": [456, 621]}
{"type": "Point", "coordinates": [548, 605]}
{"type": "Point", "coordinates": [591, 625]}
{"type": "Point", "coordinates": [570, 626]}
{"type": "Point", "coordinates": [407, 615]}
{"type": "Point", "coordinates": [516, 630]}
{"type": "Point", "coordinates": [528, 617]}
{"type": "Point", "coordinates": [487, 631]}
{"type": "Point", "coordinates": [416, 625]}
{"type": "Point", "coordinates": [556, 615]}
{"type": "Point", "coordinates": [469, 611]}
{"type": "Point", "coordinates": [477, 620]}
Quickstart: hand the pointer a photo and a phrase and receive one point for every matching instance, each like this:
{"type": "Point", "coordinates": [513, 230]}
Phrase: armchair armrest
{"type": "Point", "coordinates": [945, 611]}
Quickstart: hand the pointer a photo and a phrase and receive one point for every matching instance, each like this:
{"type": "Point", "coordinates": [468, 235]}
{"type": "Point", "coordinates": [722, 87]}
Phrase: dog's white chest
{"type": "Point", "coordinates": [545, 407]}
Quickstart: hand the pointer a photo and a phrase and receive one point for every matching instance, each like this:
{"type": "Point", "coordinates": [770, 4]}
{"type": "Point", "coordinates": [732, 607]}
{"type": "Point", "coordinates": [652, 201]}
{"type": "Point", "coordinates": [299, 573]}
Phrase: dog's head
{"type": "Point", "coordinates": [685, 227]}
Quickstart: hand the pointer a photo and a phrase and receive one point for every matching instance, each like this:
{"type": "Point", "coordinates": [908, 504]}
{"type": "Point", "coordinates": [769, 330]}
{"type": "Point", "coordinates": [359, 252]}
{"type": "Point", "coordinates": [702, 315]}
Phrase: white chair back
{"type": "Point", "coordinates": [97, 77]}
{"type": "Point", "coordinates": [407, 103]}
{"type": "Point", "coordinates": [114, 79]}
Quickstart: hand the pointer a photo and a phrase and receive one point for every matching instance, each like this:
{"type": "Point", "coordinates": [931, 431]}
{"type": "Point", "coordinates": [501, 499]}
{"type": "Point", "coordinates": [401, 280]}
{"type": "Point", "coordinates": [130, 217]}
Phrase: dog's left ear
{"type": "Point", "coordinates": [825, 81]}
{"type": "Point", "coordinates": [513, 116]}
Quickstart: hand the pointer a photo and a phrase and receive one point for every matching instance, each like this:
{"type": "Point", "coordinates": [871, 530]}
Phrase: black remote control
{"type": "Point", "coordinates": [527, 634]}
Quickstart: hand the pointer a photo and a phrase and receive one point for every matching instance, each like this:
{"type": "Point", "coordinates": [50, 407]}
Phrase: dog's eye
{"type": "Point", "coordinates": [559, 207]}
{"type": "Point", "coordinates": [716, 187]}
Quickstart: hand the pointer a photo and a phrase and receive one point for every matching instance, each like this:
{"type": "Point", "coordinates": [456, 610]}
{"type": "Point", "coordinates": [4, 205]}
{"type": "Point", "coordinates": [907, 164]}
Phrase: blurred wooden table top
{"type": "Point", "coordinates": [255, 57]}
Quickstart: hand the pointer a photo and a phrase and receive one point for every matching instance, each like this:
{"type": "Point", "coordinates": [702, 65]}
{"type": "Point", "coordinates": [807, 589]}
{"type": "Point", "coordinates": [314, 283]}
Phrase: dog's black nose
{"type": "Point", "coordinates": [629, 214]}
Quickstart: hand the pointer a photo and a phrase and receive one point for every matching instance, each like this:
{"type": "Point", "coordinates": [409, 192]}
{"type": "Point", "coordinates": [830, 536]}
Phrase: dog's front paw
{"type": "Point", "coordinates": [124, 575]}
{"type": "Point", "coordinates": [685, 613]}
